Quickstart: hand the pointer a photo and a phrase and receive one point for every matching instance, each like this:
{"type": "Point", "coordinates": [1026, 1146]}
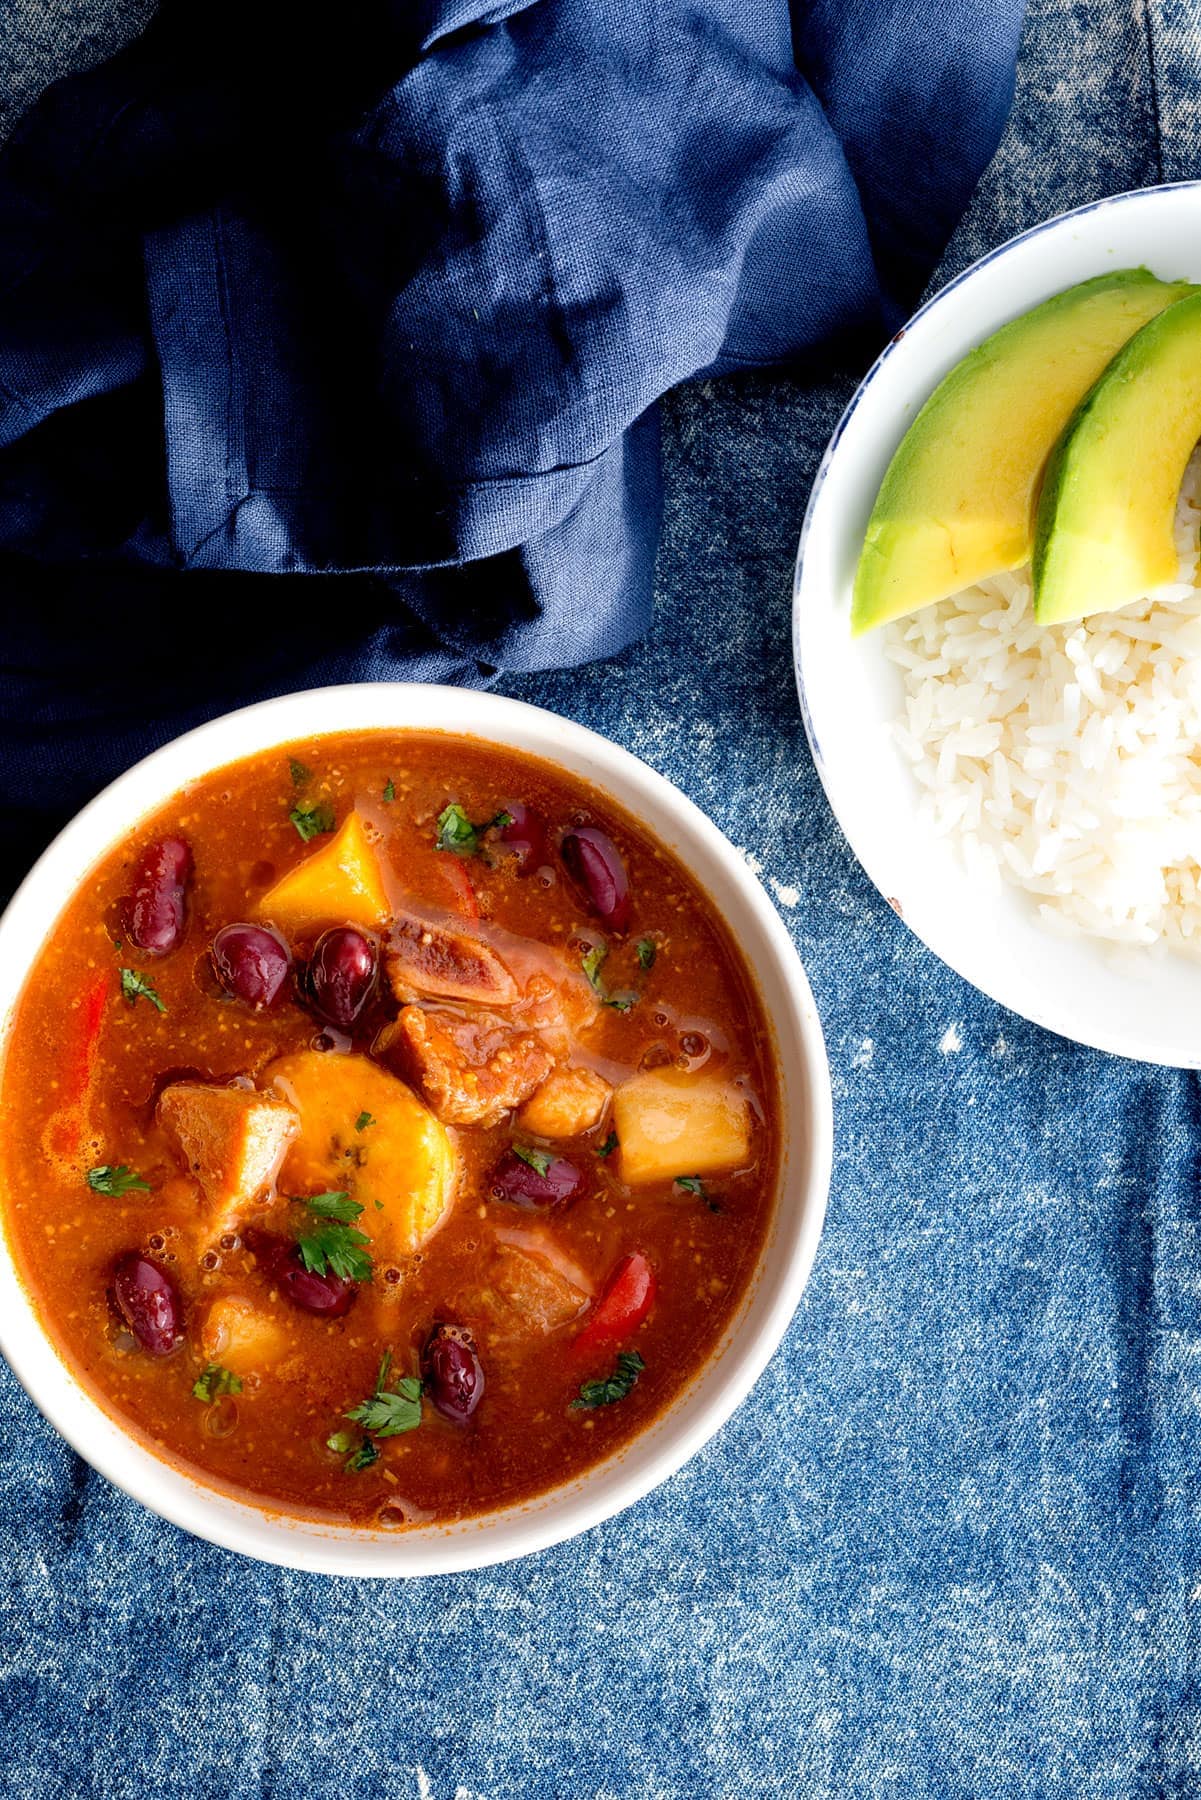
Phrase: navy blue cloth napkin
{"type": "Point", "coordinates": [383, 298]}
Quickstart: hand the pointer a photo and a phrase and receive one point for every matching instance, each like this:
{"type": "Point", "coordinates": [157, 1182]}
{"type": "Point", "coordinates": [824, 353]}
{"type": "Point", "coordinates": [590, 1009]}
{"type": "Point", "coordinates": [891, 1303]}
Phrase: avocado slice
{"type": "Point", "coordinates": [1105, 530]}
{"type": "Point", "coordinates": [958, 500]}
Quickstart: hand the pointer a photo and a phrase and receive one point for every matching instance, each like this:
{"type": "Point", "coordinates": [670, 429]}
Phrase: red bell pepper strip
{"type": "Point", "coordinates": [458, 880]}
{"type": "Point", "coordinates": [628, 1297]}
{"type": "Point", "coordinates": [80, 1058]}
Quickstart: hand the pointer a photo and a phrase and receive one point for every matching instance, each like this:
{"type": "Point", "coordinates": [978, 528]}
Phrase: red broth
{"type": "Point", "coordinates": [432, 1186]}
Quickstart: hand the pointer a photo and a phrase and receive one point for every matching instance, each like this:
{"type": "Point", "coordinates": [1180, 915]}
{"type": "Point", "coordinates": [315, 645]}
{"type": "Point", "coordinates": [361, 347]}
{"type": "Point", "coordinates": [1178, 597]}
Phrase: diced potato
{"type": "Point", "coordinates": [522, 1293]}
{"type": "Point", "coordinates": [670, 1123]}
{"type": "Point", "coordinates": [340, 884]}
{"type": "Point", "coordinates": [241, 1336]}
{"type": "Point", "coordinates": [401, 1167]}
{"type": "Point", "coordinates": [231, 1139]}
{"type": "Point", "coordinates": [569, 1102]}
{"type": "Point", "coordinates": [472, 1068]}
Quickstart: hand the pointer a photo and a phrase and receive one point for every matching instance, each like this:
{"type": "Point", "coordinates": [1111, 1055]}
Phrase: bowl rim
{"type": "Point", "coordinates": [1126, 1041]}
{"type": "Point", "coordinates": [167, 1488]}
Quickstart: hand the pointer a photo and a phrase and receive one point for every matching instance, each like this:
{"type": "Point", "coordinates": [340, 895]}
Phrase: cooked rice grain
{"type": "Point", "coordinates": [1067, 760]}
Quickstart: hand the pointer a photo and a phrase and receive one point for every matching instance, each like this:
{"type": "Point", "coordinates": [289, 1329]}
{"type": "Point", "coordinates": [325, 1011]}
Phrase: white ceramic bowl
{"type": "Point", "coordinates": [792, 1242]}
{"type": "Point", "coordinates": [1136, 1004]}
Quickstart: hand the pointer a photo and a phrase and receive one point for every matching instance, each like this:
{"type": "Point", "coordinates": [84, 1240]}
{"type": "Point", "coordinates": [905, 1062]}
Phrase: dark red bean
{"type": "Point", "coordinates": [328, 1296]}
{"type": "Point", "coordinates": [252, 963]}
{"type": "Point", "coordinates": [454, 1375]}
{"type": "Point", "coordinates": [148, 1301]}
{"type": "Point", "coordinates": [342, 975]}
{"type": "Point", "coordinates": [526, 834]}
{"type": "Point", "coordinates": [156, 908]}
{"type": "Point", "coordinates": [523, 1184]}
{"type": "Point", "coordinates": [594, 863]}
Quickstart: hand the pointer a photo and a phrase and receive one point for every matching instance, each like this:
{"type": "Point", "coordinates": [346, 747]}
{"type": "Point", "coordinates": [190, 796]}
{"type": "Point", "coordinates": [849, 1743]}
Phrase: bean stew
{"type": "Point", "coordinates": [390, 1128]}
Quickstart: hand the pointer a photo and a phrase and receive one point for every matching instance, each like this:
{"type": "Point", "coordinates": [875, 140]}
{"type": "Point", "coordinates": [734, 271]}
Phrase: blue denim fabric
{"type": "Point", "coordinates": [949, 1548]}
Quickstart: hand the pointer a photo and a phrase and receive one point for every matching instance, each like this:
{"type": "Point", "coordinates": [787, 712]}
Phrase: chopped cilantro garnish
{"type": "Point", "coordinates": [135, 987]}
{"type": "Point", "coordinates": [592, 962]}
{"type": "Point", "coordinates": [299, 773]}
{"type": "Point", "coordinates": [692, 1184]}
{"type": "Point", "coordinates": [647, 951]}
{"type": "Point", "coordinates": [364, 1119]}
{"type": "Point", "coordinates": [334, 1246]}
{"type": "Point", "coordinates": [312, 817]}
{"type": "Point", "coordinates": [115, 1179]}
{"type": "Point", "coordinates": [609, 1145]}
{"type": "Point", "coordinates": [389, 791]}
{"type": "Point", "coordinates": [614, 1387]}
{"type": "Point", "coordinates": [538, 1160]}
{"type": "Point", "coordinates": [387, 1412]}
{"type": "Point", "coordinates": [216, 1381]}
{"type": "Point", "coordinates": [457, 833]}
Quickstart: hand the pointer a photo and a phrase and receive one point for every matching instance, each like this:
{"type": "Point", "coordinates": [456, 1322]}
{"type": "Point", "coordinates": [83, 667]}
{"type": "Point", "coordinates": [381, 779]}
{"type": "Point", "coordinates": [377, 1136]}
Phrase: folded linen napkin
{"type": "Point", "coordinates": [384, 299]}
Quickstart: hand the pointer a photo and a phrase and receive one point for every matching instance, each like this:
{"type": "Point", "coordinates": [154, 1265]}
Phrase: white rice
{"type": "Point", "coordinates": [1068, 760]}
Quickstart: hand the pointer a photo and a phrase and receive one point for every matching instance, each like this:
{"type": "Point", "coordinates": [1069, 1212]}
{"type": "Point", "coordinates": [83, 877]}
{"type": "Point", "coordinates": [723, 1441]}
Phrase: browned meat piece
{"type": "Point", "coordinates": [470, 1068]}
{"type": "Point", "coordinates": [431, 959]}
{"type": "Point", "coordinates": [231, 1139]}
{"type": "Point", "coordinates": [569, 1102]}
{"type": "Point", "coordinates": [521, 1292]}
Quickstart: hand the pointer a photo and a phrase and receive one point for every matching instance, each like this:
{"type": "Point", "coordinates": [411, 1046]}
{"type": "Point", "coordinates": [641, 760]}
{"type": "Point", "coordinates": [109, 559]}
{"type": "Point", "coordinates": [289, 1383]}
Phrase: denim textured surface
{"type": "Point", "coordinates": [950, 1545]}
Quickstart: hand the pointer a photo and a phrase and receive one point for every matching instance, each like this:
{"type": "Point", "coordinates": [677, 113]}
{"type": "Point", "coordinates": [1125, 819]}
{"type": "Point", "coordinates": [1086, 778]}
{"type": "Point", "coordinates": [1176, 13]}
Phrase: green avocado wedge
{"type": "Point", "coordinates": [1105, 530]}
{"type": "Point", "coordinates": [957, 503]}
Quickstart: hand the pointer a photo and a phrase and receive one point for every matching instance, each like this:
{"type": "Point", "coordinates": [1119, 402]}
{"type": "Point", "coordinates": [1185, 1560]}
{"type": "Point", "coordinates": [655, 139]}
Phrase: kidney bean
{"type": "Point", "coordinates": [594, 863]}
{"type": "Point", "coordinates": [155, 910]}
{"type": "Point", "coordinates": [252, 963]}
{"type": "Point", "coordinates": [148, 1301]}
{"type": "Point", "coordinates": [454, 1375]}
{"type": "Point", "coordinates": [342, 974]}
{"type": "Point", "coordinates": [526, 834]}
{"type": "Point", "coordinates": [521, 1184]}
{"type": "Point", "coordinates": [328, 1296]}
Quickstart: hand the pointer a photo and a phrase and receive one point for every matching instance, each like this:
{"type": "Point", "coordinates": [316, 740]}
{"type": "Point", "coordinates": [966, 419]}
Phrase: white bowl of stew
{"type": "Point", "coordinates": [416, 1130]}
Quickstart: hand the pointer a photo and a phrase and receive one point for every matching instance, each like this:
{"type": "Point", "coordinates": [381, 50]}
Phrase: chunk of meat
{"type": "Point", "coordinates": [231, 1139]}
{"type": "Point", "coordinates": [242, 1336]}
{"type": "Point", "coordinates": [471, 1068]}
{"type": "Point", "coordinates": [448, 965]}
{"type": "Point", "coordinates": [521, 1293]}
{"type": "Point", "coordinates": [569, 1102]}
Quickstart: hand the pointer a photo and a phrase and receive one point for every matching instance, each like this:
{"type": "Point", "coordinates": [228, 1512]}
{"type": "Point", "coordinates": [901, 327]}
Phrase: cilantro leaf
{"type": "Point", "coordinates": [387, 1412]}
{"type": "Point", "coordinates": [538, 1160]}
{"type": "Point", "coordinates": [592, 962]}
{"type": "Point", "coordinates": [614, 1387]}
{"type": "Point", "coordinates": [332, 1206]}
{"type": "Point", "coordinates": [135, 987]}
{"type": "Point", "coordinates": [389, 791]}
{"type": "Point", "coordinates": [115, 1179]}
{"type": "Point", "coordinates": [312, 818]}
{"type": "Point", "coordinates": [216, 1381]}
{"type": "Point", "coordinates": [457, 833]}
{"type": "Point", "coordinates": [333, 1246]}
{"type": "Point", "coordinates": [692, 1184]}
{"type": "Point", "coordinates": [609, 1145]}
{"type": "Point", "coordinates": [647, 951]}
{"type": "Point", "coordinates": [363, 1121]}
{"type": "Point", "coordinates": [299, 773]}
